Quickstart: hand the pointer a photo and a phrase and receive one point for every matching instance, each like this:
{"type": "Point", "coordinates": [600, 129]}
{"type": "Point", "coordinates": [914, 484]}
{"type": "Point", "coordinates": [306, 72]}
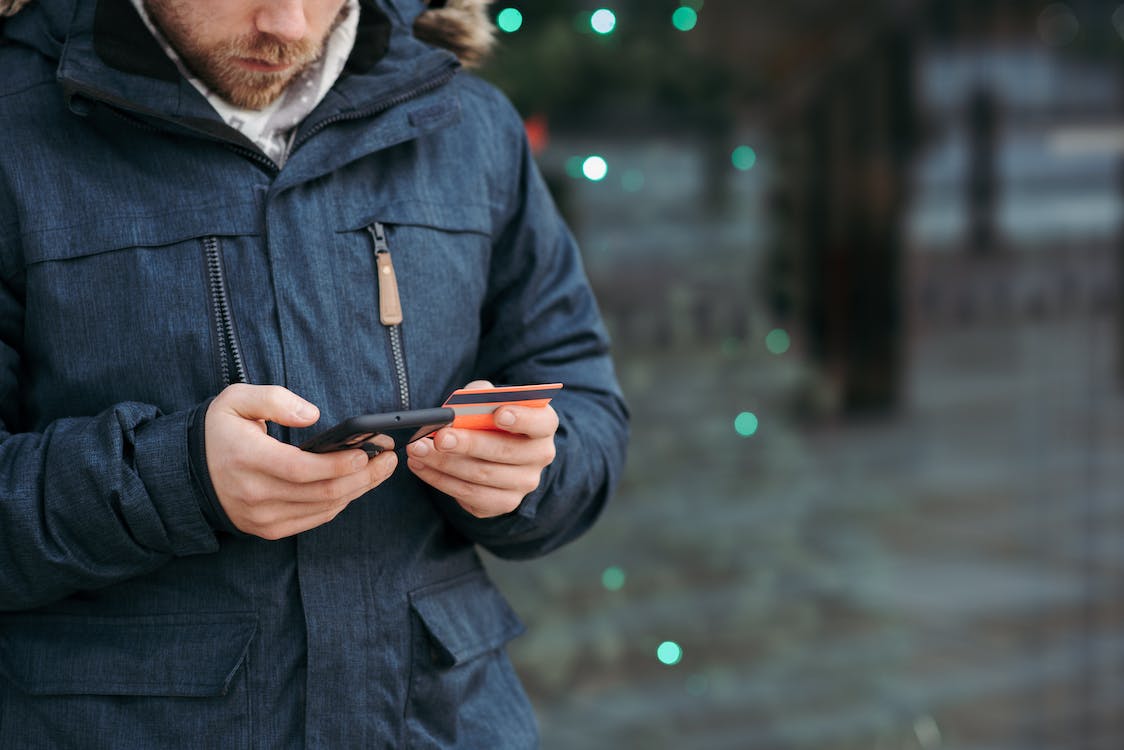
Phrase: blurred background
{"type": "Point", "coordinates": [861, 263]}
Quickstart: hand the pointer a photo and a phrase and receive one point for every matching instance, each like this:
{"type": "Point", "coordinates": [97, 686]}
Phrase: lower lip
{"type": "Point", "coordinates": [261, 67]}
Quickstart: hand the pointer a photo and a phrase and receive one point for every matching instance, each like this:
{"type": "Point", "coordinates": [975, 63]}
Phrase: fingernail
{"type": "Point", "coordinates": [420, 449]}
{"type": "Point", "coordinates": [505, 418]}
{"type": "Point", "coordinates": [305, 411]}
{"type": "Point", "coordinates": [358, 463]}
{"type": "Point", "coordinates": [391, 464]}
{"type": "Point", "coordinates": [448, 441]}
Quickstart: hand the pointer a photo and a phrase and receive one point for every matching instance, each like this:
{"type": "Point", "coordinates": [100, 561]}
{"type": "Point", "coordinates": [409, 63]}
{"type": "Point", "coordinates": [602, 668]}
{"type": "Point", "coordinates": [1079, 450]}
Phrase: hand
{"type": "Point", "coordinates": [271, 489]}
{"type": "Point", "coordinates": [488, 473]}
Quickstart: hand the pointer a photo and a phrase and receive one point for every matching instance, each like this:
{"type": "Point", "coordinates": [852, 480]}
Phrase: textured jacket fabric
{"type": "Point", "coordinates": [149, 255]}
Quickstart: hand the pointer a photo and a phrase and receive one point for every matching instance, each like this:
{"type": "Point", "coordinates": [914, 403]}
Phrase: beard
{"type": "Point", "coordinates": [217, 65]}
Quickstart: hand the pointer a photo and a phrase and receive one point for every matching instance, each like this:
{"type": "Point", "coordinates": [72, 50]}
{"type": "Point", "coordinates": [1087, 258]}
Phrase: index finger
{"type": "Point", "coordinates": [531, 421]}
{"type": "Point", "coordinates": [290, 464]}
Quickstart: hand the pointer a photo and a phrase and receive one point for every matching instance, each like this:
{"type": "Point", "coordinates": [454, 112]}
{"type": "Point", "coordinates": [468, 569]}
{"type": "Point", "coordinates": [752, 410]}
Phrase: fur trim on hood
{"type": "Point", "coordinates": [461, 26]}
{"type": "Point", "coordinates": [11, 7]}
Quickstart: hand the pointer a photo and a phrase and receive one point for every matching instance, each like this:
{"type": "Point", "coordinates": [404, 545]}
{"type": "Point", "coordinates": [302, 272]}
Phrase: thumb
{"type": "Point", "coordinates": [272, 403]}
{"type": "Point", "coordinates": [476, 385]}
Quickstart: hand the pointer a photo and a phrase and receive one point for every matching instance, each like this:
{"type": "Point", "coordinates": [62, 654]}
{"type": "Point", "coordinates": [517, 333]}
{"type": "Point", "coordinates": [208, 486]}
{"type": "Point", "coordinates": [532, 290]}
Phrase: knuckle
{"type": "Point", "coordinates": [476, 508]}
{"type": "Point", "coordinates": [253, 497]}
{"type": "Point", "coordinates": [508, 450]}
{"type": "Point", "coordinates": [530, 484]}
{"type": "Point", "coordinates": [257, 527]}
{"type": "Point", "coordinates": [328, 492]}
{"type": "Point", "coordinates": [472, 494]}
{"type": "Point", "coordinates": [290, 471]}
{"type": "Point", "coordinates": [479, 473]}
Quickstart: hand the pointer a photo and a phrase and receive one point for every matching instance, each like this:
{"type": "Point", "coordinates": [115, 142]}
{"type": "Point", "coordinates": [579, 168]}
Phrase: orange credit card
{"type": "Point", "coordinates": [474, 406]}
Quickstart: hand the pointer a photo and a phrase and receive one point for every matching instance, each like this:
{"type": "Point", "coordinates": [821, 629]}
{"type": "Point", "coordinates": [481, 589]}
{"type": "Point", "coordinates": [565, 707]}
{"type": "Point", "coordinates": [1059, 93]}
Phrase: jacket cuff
{"type": "Point", "coordinates": [201, 474]}
{"type": "Point", "coordinates": [162, 463]}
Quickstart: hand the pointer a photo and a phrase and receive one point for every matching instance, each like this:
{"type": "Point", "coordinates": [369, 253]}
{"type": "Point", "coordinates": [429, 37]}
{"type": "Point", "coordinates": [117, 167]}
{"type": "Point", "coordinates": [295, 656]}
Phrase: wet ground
{"type": "Point", "coordinates": [950, 576]}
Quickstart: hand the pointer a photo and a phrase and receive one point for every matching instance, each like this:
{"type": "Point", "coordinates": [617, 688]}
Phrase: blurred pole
{"type": "Point", "coordinates": [860, 134]}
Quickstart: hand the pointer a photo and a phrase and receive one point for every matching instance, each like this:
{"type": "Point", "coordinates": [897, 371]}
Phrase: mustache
{"type": "Point", "coordinates": [273, 51]}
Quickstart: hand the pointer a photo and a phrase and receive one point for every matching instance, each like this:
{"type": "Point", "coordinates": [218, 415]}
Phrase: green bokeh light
{"type": "Point", "coordinates": [603, 21]}
{"type": "Point", "coordinates": [613, 578]}
{"type": "Point", "coordinates": [669, 653]}
{"type": "Point", "coordinates": [744, 158]}
{"type": "Point", "coordinates": [778, 341]}
{"type": "Point", "coordinates": [574, 166]}
{"type": "Point", "coordinates": [746, 424]}
{"type": "Point", "coordinates": [509, 20]}
{"type": "Point", "coordinates": [595, 168]}
{"type": "Point", "coordinates": [684, 18]}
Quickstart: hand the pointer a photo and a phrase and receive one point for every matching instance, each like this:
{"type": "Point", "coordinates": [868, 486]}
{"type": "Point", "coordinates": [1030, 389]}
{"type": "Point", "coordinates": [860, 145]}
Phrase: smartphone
{"type": "Point", "coordinates": [375, 433]}
{"type": "Point", "coordinates": [466, 408]}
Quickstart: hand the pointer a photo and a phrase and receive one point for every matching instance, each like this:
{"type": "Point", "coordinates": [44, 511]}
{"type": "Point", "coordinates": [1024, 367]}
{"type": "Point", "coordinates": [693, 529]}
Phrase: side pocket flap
{"type": "Point", "coordinates": [174, 655]}
{"type": "Point", "coordinates": [466, 616]}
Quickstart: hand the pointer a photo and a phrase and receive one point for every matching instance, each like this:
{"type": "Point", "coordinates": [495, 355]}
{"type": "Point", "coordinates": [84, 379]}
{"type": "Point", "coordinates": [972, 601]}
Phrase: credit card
{"type": "Point", "coordinates": [474, 406]}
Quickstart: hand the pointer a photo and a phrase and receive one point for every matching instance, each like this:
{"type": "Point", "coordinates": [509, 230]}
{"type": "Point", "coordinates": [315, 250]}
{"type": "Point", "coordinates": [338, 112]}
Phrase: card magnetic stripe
{"type": "Point", "coordinates": [499, 396]}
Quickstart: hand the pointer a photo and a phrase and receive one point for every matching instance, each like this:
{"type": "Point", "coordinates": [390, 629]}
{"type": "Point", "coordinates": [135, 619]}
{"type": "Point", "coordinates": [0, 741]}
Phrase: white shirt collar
{"type": "Point", "coordinates": [273, 127]}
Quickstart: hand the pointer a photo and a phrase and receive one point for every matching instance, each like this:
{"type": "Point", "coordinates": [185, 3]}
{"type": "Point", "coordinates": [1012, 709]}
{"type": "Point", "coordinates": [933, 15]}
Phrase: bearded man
{"type": "Point", "coordinates": [224, 226]}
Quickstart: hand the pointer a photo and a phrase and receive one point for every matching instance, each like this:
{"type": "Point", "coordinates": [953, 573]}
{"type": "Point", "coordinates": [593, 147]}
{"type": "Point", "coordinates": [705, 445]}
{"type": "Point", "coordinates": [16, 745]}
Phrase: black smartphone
{"type": "Point", "coordinates": [375, 433]}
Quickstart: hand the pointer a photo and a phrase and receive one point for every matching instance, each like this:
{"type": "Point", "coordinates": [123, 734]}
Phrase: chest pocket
{"type": "Point", "coordinates": [167, 681]}
{"type": "Point", "coordinates": [132, 312]}
{"type": "Point", "coordinates": [428, 263]}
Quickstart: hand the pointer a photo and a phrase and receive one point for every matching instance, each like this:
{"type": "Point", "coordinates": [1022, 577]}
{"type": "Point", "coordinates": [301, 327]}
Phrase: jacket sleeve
{"type": "Point", "coordinates": [540, 325]}
{"type": "Point", "coordinates": [87, 501]}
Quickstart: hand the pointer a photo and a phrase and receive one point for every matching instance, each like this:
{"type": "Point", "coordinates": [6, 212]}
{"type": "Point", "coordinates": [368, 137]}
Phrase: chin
{"type": "Point", "coordinates": [255, 100]}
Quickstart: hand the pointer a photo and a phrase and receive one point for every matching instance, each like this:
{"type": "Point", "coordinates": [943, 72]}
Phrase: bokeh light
{"type": "Point", "coordinates": [778, 341]}
{"type": "Point", "coordinates": [744, 158]}
{"type": "Point", "coordinates": [595, 168]}
{"type": "Point", "coordinates": [669, 653]}
{"type": "Point", "coordinates": [574, 167]}
{"type": "Point", "coordinates": [746, 424]}
{"type": "Point", "coordinates": [509, 20]}
{"type": "Point", "coordinates": [603, 21]}
{"type": "Point", "coordinates": [613, 578]}
{"type": "Point", "coordinates": [684, 18]}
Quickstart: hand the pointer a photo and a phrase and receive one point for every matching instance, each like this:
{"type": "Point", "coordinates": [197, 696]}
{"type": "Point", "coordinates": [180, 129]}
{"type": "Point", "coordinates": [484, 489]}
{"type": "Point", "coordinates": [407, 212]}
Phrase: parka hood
{"type": "Point", "coordinates": [460, 26]}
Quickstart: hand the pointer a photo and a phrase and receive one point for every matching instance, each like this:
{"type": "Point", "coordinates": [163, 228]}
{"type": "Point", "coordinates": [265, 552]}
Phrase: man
{"type": "Point", "coordinates": [224, 226]}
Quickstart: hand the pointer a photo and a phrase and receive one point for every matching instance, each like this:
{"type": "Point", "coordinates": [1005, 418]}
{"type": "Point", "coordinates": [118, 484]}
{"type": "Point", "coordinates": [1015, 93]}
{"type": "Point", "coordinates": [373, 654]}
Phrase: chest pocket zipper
{"type": "Point", "coordinates": [390, 310]}
{"type": "Point", "coordinates": [231, 364]}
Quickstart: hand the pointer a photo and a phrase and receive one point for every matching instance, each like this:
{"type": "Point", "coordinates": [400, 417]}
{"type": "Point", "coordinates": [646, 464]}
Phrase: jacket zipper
{"type": "Point", "coordinates": [231, 363]}
{"type": "Point", "coordinates": [390, 310]}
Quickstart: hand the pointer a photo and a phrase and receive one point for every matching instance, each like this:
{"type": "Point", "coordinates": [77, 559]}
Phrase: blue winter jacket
{"type": "Point", "coordinates": [150, 256]}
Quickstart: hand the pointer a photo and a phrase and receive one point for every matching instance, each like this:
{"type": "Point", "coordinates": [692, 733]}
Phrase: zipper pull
{"type": "Point", "coordinates": [390, 304]}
